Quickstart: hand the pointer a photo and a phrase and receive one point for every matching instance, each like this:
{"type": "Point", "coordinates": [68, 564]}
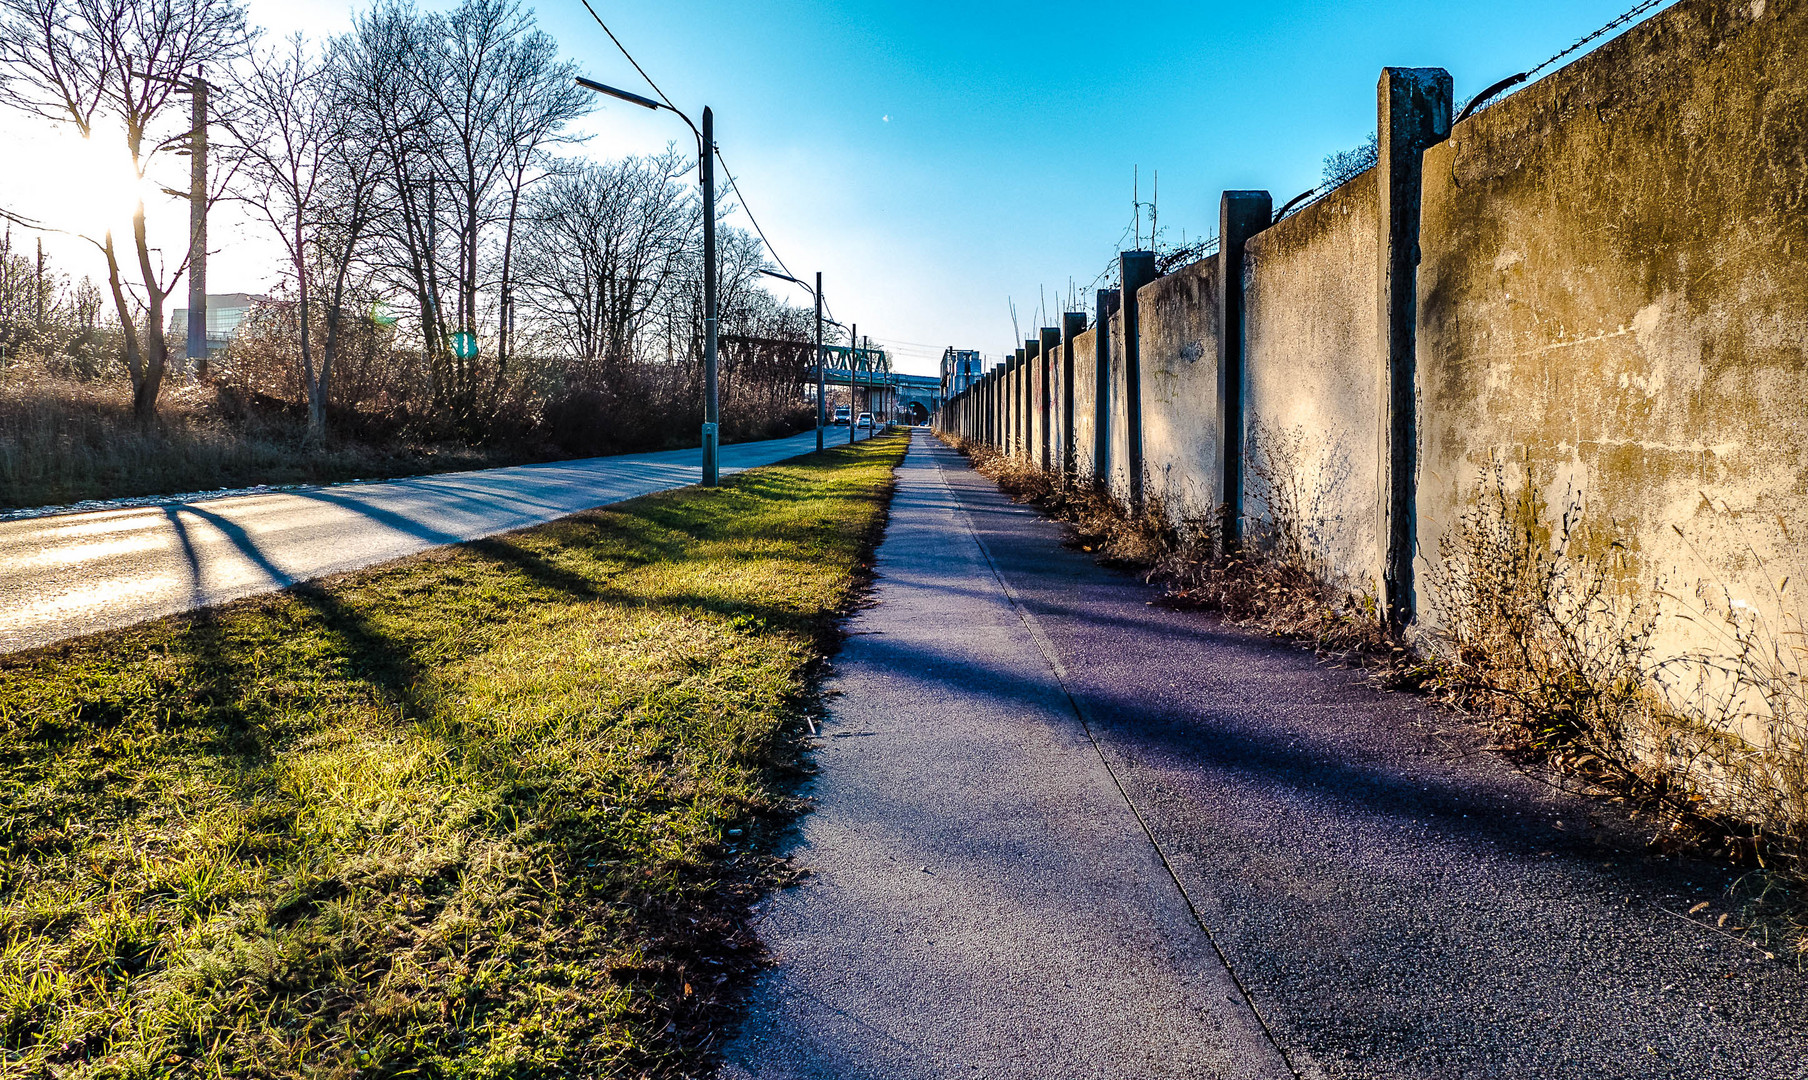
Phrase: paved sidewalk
{"type": "Point", "coordinates": [984, 902]}
{"type": "Point", "coordinates": [1397, 901]}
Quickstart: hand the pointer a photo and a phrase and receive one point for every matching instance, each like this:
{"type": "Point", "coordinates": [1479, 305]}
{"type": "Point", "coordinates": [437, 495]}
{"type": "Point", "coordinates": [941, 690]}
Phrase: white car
{"type": "Point", "coordinates": [866, 421]}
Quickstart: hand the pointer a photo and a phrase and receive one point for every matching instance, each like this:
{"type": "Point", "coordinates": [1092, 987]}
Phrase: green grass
{"type": "Point", "coordinates": [467, 815]}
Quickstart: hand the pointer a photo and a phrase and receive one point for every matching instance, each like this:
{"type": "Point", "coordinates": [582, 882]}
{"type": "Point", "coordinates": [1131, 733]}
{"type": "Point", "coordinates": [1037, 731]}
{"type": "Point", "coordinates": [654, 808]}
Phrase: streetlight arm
{"type": "Point", "coordinates": [632, 99]}
{"type": "Point", "coordinates": [787, 277]}
{"type": "Point", "coordinates": [636, 99]}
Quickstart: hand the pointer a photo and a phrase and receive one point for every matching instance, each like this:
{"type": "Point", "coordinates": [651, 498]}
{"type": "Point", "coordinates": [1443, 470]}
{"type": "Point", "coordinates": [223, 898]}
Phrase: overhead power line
{"type": "Point", "coordinates": [732, 182]}
{"type": "Point", "coordinates": [630, 56]}
{"type": "Point", "coordinates": [745, 209]}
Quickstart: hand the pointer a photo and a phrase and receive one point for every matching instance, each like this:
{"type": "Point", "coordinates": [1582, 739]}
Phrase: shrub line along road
{"type": "Point", "coordinates": [75, 574]}
{"type": "Point", "coordinates": [1037, 792]}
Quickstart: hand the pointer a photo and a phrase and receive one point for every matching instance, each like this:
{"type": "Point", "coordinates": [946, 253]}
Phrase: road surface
{"type": "Point", "coordinates": [1060, 832]}
{"type": "Point", "coordinates": [75, 574]}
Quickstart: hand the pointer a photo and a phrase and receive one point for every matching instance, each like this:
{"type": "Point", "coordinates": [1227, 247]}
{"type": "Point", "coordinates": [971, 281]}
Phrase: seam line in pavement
{"type": "Point", "coordinates": [1047, 649]}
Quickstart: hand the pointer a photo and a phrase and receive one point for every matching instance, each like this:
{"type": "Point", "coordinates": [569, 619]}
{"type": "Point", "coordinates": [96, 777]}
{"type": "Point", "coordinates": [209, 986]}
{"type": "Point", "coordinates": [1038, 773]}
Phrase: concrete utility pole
{"type": "Point", "coordinates": [853, 361]}
{"type": "Point", "coordinates": [822, 419]}
{"type": "Point", "coordinates": [712, 412]}
{"type": "Point", "coordinates": [822, 414]}
{"type": "Point", "coordinates": [197, 227]}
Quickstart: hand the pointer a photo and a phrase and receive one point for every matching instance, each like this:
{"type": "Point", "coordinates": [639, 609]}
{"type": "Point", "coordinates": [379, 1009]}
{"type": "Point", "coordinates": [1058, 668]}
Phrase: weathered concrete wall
{"type": "Point", "coordinates": [1085, 400]}
{"type": "Point", "coordinates": [1056, 431]}
{"type": "Point", "coordinates": [1180, 386]}
{"type": "Point", "coordinates": [1312, 370]}
{"type": "Point", "coordinates": [1612, 293]}
{"type": "Point", "coordinates": [1614, 289]}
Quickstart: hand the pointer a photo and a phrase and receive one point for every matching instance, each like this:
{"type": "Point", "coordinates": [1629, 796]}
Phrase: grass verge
{"type": "Point", "coordinates": [492, 811]}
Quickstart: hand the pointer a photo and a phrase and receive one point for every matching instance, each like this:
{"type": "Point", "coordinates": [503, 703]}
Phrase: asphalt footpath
{"type": "Point", "coordinates": [1061, 832]}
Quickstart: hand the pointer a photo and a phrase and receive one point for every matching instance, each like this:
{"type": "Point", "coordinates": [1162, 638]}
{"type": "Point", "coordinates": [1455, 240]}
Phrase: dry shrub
{"type": "Point", "coordinates": [1279, 582]}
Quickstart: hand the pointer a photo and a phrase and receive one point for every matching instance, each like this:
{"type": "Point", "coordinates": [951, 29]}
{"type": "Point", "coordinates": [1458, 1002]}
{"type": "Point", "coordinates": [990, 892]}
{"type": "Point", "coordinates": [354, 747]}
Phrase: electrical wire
{"type": "Point", "coordinates": [734, 184]}
{"type": "Point", "coordinates": [630, 56]}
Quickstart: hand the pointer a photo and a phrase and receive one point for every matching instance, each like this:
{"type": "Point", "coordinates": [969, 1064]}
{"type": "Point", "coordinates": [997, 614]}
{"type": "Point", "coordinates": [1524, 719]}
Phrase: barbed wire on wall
{"type": "Point", "coordinates": [1487, 95]}
{"type": "Point", "coordinates": [1634, 12]}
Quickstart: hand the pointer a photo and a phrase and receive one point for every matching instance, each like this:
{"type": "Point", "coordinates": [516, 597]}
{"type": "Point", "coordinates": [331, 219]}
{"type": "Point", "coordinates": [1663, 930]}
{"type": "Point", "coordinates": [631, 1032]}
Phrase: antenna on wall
{"type": "Point", "coordinates": [1136, 208]}
{"type": "Point", "coordinates": [1154, 205]}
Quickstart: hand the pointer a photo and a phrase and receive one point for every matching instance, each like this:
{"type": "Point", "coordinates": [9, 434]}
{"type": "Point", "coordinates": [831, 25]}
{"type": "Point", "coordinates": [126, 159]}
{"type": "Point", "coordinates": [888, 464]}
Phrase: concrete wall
{"type": "Point", "coordinates": [1179, 355]}
{"type": "Point", "coordinates": [1055, 389]}
{"type": "Point", "coordinates": [1614, 288]}
{"type": "Point", "coordinates": [1312, 372]}
{"type": "Point", "coordinates": [1612, 295]}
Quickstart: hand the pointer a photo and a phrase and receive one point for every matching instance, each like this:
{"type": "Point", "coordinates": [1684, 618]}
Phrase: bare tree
{"type": "Point", "coordinates": [602, 244]}
{"type": "Point", "coordinates": [464, 107]}
{"type": "Point", "coordinates": [308, 174]}
{"type": "Point", "coordinates": [77, 61]}
{"type": "Point", "coordinates": [1346, 165]}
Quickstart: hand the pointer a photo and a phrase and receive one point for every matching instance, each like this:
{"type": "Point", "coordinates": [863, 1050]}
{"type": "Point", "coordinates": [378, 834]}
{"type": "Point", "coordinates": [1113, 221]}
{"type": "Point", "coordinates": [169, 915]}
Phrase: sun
{"type": "Point", "coordinates": [78, 185]}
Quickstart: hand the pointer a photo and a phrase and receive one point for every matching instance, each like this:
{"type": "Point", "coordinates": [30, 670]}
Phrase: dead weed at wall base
{"type": "Point", "coordinates": [1542, 628]}
{"type": "Point", "coordinates": [1538, 637]}
{"type": "Point", "coordinates": [1272, 588]}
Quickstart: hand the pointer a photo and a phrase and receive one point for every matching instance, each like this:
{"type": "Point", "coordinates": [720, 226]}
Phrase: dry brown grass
{"type": "Point", "coordinates": [63, 440]}
{"type": "Point", "coordinates": [1544, 632]}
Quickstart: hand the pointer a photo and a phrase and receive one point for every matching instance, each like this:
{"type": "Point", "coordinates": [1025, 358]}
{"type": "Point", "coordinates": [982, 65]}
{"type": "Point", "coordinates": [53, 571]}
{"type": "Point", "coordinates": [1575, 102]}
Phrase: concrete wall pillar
{"type": "Point", "coordinates": [1031, 346]}
{"type": "Point", "coordinates": [1073, 324]}
{"type": "Point", "coordinates": [1045, 358]}
{"type": "Point", "coordinates": [1137, 269]}
{"type": "Point", "coordinates": [1107, 301]}
{"type": "Point", "coordinates": [982, 415]}
{"type": "Point", "coordinates": [1241, 215]}
{"type": "Point", "coordinates": [1413, 113]}
{"type": "Point", "coordinates": [995, 410]}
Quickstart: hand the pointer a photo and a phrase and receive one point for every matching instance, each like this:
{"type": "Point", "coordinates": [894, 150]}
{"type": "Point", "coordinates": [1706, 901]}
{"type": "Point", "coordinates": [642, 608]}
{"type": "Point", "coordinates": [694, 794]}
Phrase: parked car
{"type": "Point", "coordinates": [841, 416]}
{"type": "Point", "coordinates": [866, 420]}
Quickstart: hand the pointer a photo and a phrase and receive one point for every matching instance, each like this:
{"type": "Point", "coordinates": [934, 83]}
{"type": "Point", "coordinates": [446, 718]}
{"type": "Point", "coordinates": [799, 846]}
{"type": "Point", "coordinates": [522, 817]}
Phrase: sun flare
{"type": "Point", "coordinates": [86, 185]}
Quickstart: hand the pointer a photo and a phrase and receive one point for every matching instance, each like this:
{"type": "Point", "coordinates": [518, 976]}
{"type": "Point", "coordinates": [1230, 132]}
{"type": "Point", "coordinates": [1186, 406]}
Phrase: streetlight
{"type": "Point", "coordinates": [706, 149]}
{"type": "Point", "coordinates": [821, 413]}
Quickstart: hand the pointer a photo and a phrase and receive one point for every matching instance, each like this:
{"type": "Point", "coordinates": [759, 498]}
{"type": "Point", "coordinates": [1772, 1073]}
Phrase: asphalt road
{"type": "Point", "coordinates": [74, 574]}
{"type": "Point", "coordinates": [1394, 899]}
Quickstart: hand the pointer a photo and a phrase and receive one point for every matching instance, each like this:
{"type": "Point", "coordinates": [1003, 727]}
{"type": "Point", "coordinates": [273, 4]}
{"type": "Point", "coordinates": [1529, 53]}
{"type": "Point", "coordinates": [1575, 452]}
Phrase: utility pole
{"type": "Point", "coordinates": [706, 155]}
{"type": "Point", "coordinates": [853, 362]}
{"type": "Point", "coordinates": [197, 227]}
{"type": "Point", "coordinates": [822, 416]}
{"type": "Point", "coordinates": [712, 414]}
{"type": "Point", "coordinates": [40, 283]}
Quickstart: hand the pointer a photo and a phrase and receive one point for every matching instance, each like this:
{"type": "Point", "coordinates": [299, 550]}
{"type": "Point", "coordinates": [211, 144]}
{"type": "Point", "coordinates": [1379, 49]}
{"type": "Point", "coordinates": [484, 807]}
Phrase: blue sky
{"type": "Point", "coordinates": [939, 159]}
